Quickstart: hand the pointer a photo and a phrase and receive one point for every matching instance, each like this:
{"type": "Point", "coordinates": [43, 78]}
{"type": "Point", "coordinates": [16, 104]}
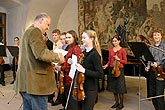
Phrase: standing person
{"type": "Point", "coordinates": [72, 41]}
{"type": "Point", "coordinates": [61, 96]}
{"type": "Point", "coordinates": [56, 38]}
{"type": "Point", "coordinates": [49, 45]}
{"type": "Point", "coordinates": [56, 45]}
{"type": "Point", "coordinates": [35, 74]}
{"type": "Point", "coordinates": [117, 85]}
{"type": "Point", "coordinates": [15, 60]}
{"type": "Point", "coordinates": [155, 84]}
{"type": "Point", "coordinates": [63, 41]}
{"type": "Point", "coordinates": [48, 42]}
{"type": "Point", "coordinates": [92, 70]}
{"type": "Point", "coordinates": [2, 74]}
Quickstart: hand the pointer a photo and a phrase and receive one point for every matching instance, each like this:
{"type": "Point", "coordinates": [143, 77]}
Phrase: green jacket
{"type": "Point", "coordinates": [35, 74]}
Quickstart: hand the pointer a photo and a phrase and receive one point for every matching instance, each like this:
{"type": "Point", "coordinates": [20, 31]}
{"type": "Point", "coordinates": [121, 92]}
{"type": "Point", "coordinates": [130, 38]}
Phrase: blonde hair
{"type": "Point", "coordinates": [96, 44]}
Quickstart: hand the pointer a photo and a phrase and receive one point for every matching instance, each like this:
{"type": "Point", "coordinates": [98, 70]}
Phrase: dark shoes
{"type": "Point", "coordinates": [12, 82]}
{"type": "Point", "coordinates": [115, 105]}
{"type": "Point", "coordinates": [121, 106]}
{"type": "Point", "coordinates": [3, 83]}
{"type": "Point", "coordinates": [57, 102]}
{"type": "Point", "coordinates": [118, 106]}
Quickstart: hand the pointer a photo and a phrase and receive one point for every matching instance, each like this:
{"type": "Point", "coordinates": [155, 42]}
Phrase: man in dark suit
{"type": "Point", "coordinates": [49, 43]}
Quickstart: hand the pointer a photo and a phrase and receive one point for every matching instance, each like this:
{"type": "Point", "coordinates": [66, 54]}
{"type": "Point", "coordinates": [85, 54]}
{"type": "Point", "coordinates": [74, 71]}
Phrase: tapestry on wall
{"type": "Point", "coordinates": [126, 18]}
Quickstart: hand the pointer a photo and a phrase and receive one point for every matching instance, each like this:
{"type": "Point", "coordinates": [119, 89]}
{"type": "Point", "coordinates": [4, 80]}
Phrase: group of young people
{"type": "Point", "coordinates": [35, 74]}
{"type": "Point", "coordinates": [36, 79]}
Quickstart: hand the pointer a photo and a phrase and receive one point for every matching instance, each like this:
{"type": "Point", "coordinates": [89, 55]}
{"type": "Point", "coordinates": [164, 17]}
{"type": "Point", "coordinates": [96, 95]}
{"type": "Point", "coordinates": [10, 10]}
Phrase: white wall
{"type": "Point", "coordinates": [69, 17]}
{"type": "Point", "coordinates": [64, 14]}
{"type": "Point", "coordinates": [54, 8]}
{"type": "Point", "coordinates": [16, 18]}
{"type": "Point", "coordinates": [3, 10]}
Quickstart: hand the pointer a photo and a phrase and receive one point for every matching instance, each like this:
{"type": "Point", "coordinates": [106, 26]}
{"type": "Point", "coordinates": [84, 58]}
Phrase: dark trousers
{"type": "Point", "coordinates": [14, 69]}
{"type": "Point", "coordinates": [50, 97]}
{"type": "Point", "coordinates": [90, 100]}
{"type": "Point", "coordinates": [2, 75]}
{"type": "Point", "coordinates": [101, 84]}
{"type": "Point", "coordinates": [72, 103]}
{"type": "Point", "coordinates": [155, 88]}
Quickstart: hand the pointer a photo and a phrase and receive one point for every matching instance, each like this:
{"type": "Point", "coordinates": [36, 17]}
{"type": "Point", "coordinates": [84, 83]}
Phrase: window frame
{"type": "Point", "coordinates": [3, 26]}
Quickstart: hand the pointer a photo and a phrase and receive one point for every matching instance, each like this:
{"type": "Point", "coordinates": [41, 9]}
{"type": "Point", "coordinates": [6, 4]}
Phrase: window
{"type": "Point", "coordinates": [3, 28]}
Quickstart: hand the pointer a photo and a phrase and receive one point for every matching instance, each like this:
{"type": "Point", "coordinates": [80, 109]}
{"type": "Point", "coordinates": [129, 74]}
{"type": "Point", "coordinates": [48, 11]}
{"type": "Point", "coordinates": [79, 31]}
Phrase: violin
{"type": "Point", "coordinates": [160, 75]}
{"type": "Point", "coordinates": [158, 72]}
{"type": "Point", "coordinates": [16, 61]}
{"type": "Point", "coordinates": [2, 61]}
{"type": "Point", "coordinates": [116, 70]}
{"type": "Point", "coordinates": [60, 83]}
{"type": "Point", "coordinates": [78, 90]}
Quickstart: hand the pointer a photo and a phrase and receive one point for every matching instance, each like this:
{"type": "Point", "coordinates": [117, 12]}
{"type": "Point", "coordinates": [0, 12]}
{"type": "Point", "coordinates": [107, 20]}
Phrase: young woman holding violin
{"type": "Point", "coordinates": [72, 41]}
{"type": "Point", "coordinates": [116, 80]}
{"type": "Point", "coordinates": [91, 67]}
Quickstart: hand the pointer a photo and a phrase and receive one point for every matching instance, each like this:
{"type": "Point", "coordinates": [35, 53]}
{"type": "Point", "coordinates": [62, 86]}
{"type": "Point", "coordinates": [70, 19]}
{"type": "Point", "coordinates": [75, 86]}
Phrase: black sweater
{"type": "Point", "coordinates": [93, 69]}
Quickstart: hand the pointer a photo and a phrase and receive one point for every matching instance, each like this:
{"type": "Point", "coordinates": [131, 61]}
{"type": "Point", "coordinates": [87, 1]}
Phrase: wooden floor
{"type": "Point", "coordinates": [11, 101]}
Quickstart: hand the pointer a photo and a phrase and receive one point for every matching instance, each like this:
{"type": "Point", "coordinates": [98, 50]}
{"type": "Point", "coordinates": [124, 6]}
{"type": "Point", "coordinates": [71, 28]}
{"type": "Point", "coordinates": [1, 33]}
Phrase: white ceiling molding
{"type": "Point", "coordinates": [8, 4]}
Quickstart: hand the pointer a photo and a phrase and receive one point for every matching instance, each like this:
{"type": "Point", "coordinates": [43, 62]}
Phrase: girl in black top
{"type": "Point", "coordinates": [91, 67]}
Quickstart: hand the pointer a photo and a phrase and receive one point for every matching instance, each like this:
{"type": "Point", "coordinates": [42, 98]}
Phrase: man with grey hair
{"type": "Point", "coordinates": [35, 74]}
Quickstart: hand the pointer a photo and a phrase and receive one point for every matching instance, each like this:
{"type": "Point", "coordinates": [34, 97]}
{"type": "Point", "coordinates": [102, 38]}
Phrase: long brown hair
{"type": "Point", "coordinates": [74, 35]}
{"type": "Point", "coordinates": [117, 37]}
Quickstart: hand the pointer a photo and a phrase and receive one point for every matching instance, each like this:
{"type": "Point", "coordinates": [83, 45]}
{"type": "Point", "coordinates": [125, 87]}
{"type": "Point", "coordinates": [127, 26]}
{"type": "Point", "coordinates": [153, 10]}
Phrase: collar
{"type": "Point", "coordinates": [156, 45]}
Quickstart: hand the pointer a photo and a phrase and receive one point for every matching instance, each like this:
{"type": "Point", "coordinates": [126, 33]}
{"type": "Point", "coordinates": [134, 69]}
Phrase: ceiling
{"type": "Point", "coordinates": [11, 3]}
